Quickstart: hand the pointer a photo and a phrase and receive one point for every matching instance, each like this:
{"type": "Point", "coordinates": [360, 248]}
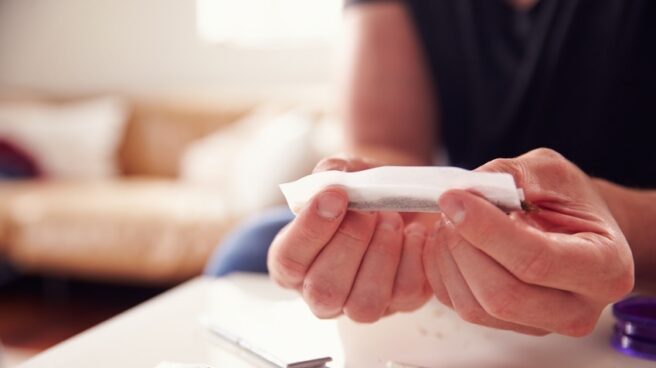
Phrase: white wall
{"type": "Point", "coordinates": [142, 47]}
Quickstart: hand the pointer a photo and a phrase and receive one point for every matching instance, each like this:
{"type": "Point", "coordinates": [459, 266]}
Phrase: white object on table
{"type": "Point", "coordinates": [167, 329]}
{"type": "Point", "coordinates": [276, 322]}
{"type": "Point", "coordinates": [404, 188]}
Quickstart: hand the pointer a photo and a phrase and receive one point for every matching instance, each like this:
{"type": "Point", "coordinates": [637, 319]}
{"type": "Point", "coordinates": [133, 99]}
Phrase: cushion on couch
{"type": "Point", "coordinates": [159, 132]}
{"type": "Point", "coordinates": [256, 154]}
{"type": "Point", "coordinates": [131, 230]}
{"type": "Point", "coordinates": [72, 140]}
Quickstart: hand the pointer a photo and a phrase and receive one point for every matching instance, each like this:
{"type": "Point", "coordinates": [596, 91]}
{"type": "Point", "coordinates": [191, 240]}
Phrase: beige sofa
{"type": "Point", "coordinates": [143, 227]}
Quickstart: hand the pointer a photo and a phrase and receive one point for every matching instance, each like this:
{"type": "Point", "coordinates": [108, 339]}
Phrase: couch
{"type": "Point", "coordinates": [145, 225]}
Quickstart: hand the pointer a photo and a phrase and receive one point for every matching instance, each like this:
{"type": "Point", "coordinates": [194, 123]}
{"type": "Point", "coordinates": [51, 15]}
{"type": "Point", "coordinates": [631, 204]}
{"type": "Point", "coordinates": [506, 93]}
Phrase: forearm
{"type": "Point", "coordinates": [635, 212]}
{"type": "Point", "coordinates": [386, 97]}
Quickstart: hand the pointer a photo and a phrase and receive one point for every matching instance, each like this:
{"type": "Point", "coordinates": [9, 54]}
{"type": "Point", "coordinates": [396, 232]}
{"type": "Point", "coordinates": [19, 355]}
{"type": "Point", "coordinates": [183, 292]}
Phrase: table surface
{"type": "Point", "coordinates": [167, 328]}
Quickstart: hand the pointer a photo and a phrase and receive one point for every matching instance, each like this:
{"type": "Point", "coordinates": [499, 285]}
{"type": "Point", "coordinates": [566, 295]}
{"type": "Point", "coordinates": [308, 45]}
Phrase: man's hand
{"type": "Point", "coordinates": [363, 264]}
{"type": "Point", "coordinates": [552, 269]}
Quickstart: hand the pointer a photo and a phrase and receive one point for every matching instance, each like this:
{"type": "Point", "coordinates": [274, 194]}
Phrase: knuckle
{"type": "Point", "coordinates": [353, 234]}
{"type": "Point", "coordinates": [502, 303]}
{"type": "Point", "coordinates": [416, 233]}
{"type": "Point", "coordinates": [408, 295]}
{"type": "Point", "coordinates": [325, 316]}
{"type": "Point", "coordinates": [330, 163]}
{"type": "Point", "coordinates": [324, 299]}
{"type": "Point", "coordinates": [386, 249]}
{"type": "Point", "coordinates": [561, 167]}
{"type": "Point", "coordinates": [545, 152]}
{"type": "Point", "coordinates": [361, 317]}
{"type": "Point", "coordinates": [535, 332]}
{"type": "Point", "coordinates": [365, 309]}
{"type": "Point", "coordinates": [443, 297]}
{"type": "Point", "coordinates": [501, 164]}
{"type": "Point", "coordinates": [505, 165]}
{"type": "Point", "coordinates": [410, 306]}
{"type": "Point", "coordinates": [357, 164]}
{"type": "Point", "coordinates": [288, 271]}
{"type": "Point", "coordinates": [623, 281]}
{"type": "Point", "coordinates": [581, 323]}
{"type": "Point", "coordinates": [549, 163]}
{"type": "Point", "coordinates": [621, 285]}
{"type": "Point", "coordinates": [472, 314]}
{"type": "Point", "coordinates": [581, 327]}
{"type": "Point", "coordinates": [393, 221]}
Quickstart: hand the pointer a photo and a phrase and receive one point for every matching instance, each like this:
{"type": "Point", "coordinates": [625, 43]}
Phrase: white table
{"type": "Point", "coordinates": [168, 328]}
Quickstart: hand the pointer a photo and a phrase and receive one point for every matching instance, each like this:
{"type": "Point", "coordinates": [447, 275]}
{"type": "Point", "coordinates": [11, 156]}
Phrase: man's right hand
{"type": "Point", "coordinates": [362, 264]}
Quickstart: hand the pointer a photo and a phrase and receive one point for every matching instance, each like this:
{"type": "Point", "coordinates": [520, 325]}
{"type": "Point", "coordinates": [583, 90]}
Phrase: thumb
{"type": "Point", "coordinates": [489, 229]}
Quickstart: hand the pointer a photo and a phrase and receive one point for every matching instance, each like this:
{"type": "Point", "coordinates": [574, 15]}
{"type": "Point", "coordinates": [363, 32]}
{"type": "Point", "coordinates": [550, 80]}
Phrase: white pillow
{"type": "Point", "coordinates": [210, 161]}
{"type": "Point", "coordinates": [249, 160]}
{"type": "Point", "coordinates": [71, 141]}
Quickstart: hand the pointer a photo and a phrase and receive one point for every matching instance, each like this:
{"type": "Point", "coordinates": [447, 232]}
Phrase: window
{"type": "Point", "coordinates": [268, 23]}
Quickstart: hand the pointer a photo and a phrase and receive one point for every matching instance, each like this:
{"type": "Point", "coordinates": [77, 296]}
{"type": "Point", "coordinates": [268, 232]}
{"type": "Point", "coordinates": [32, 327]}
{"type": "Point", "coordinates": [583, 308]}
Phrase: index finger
{"type": "Point", "coordinates": [295, 248]}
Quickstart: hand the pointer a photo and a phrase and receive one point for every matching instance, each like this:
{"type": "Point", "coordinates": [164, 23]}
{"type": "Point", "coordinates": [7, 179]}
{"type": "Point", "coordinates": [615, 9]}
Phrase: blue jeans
{"type": "Point", "coordinates": [246, 248]}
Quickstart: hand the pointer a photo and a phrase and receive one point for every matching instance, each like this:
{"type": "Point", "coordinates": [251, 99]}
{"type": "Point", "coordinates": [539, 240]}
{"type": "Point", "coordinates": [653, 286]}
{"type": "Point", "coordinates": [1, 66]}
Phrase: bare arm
{"type": "Point", "coordinates": [635, 212]}
{"type": "Point", "coordinates": [386, 93]}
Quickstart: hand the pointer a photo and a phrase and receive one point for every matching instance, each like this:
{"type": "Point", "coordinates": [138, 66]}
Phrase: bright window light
{"type": "Point", "coordinates": [268, 23]}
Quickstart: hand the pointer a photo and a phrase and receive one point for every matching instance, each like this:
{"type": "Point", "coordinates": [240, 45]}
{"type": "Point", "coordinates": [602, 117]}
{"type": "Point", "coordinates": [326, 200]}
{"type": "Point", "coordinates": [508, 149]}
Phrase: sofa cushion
{"type": "Point", "coordinates": [253, 156]}
{"type": "Point", "coordinates": [134, 230]}
{"type": "Point", "coordinates": [72, 140]}
{"type": "Point", "coordinates": [159, 132]}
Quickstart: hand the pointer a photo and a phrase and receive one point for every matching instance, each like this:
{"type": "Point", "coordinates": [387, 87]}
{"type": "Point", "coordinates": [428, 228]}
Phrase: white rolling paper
{"type": "Point", "coordinates": [404, 188]}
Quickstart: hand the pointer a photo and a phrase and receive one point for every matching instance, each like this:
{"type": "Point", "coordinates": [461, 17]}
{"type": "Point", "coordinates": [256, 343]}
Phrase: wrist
{"type": "Point", "coordinates": [617, 199]}
{"type": "Point", "coordinates": [634, 211]}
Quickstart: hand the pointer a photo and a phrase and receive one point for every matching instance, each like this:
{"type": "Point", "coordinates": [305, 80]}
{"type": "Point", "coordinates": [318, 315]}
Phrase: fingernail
{"type": "Point", "coordinates": [452, 208]}
{"type": "Point", "coordinates": [389, 221]}
{"type": "Point", "coordinates": [415, 229]}
{"type": "Point", "coordinates": [330, 205]}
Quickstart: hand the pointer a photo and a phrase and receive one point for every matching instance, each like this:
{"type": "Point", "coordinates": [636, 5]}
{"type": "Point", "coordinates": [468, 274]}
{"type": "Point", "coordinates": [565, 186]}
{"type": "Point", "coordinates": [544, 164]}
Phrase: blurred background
{"type": "Point", "coordinates": [135, 134]}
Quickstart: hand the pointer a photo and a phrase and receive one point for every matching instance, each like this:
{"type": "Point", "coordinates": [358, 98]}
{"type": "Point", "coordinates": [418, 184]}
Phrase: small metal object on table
{"type": "Point", "coordinates": [262, 354]}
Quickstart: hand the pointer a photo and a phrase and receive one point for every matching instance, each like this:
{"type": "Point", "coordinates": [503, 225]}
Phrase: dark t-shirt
{"type": "Point", "coordinates": [578, 76]}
